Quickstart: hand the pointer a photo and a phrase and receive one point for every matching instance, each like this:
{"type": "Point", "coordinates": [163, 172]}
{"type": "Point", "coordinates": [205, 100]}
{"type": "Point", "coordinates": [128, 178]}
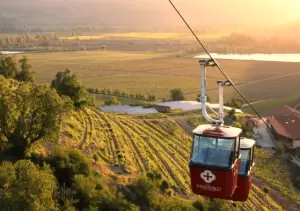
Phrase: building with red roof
{"type": "Point", "coordinates": [285, 125]}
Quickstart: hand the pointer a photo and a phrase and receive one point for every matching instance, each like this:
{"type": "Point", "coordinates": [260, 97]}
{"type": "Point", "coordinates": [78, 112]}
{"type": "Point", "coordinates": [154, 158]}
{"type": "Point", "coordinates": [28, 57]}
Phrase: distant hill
{"type": "Point", "coordinates": [139, 13]}
{"type": "Point", "coordinates": [6, 22]}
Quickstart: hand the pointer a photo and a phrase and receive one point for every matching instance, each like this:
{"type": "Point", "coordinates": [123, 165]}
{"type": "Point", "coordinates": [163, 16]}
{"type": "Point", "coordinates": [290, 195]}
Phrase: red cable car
{"type": "Point", "coordinates": [215, 160]}
{"type": "Point", "coordinates": [245, 171]}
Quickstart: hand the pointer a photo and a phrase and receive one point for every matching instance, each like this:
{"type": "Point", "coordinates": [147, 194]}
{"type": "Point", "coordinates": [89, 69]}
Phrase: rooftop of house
{"type": "Point", "coordinates": [286, 122]}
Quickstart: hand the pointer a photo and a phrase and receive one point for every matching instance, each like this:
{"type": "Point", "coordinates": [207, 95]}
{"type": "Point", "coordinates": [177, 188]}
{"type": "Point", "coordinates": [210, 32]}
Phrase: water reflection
{"type": "Point", "coordinates": [255, 57]}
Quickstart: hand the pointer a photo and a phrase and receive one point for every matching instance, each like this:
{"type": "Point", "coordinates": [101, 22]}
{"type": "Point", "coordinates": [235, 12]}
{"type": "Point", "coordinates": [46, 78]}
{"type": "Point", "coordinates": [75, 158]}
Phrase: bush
{"type": "Point", "coordinates": [266, 190]}
{"type": "Point", "coordinates": [172, 203]}
{"type": "Point", "coordinates": [280, 149]}
{"type": "Point", "coordinates": [154, 175]}
{"type": "Point", "coordinates": [176, 94]}
{"type": "Point", "coordinates": [164, 185]}
{"type": "Point", "coordinates": [237, 124]}
{"type": "Point", "coordinates": [67, 164]}
{"type": "Point", "coordinates": [144, 191]}
{"type": "Point", "coordinates": [235, 103]}
{"type": "Point", "coordinates": [218, 205]}
{"type": "Point", "coordinates": [112, 101]}
{"type": "Point", "coordinates": [200, 205]}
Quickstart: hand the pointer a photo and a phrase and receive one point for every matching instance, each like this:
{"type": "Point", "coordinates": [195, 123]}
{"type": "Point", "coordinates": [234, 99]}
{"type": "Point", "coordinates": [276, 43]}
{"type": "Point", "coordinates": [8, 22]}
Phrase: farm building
{"type": "Point", "coordinates": [285, 125]}
{"type": "Point", "coordinates": [162, 108]}
{"type": "Point", "coordinates": [252, 121]}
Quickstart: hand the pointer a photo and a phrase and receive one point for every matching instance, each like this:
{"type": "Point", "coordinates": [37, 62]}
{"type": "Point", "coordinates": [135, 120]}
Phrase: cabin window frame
{"type": "Point", "coordinates": [232, 160]}
{"type": "Point", "coordinates": [248, 163]}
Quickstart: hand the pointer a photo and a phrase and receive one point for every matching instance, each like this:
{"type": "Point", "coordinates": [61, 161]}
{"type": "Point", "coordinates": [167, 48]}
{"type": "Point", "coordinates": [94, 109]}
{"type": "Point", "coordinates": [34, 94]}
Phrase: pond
{"type": "Point", "coordinates": [10, 52]}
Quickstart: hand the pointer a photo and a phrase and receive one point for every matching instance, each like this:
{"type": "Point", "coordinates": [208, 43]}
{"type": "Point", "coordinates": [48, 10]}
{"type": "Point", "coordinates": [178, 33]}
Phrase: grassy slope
{"type": "Point", "coordinates": [273, 170]}
{"type": "Point", "coordinates": [126, 146]}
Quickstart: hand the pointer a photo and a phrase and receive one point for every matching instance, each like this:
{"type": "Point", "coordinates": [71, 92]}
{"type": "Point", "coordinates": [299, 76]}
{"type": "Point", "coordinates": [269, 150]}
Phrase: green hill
{"type": "Point", "coordinates": [125, 147]}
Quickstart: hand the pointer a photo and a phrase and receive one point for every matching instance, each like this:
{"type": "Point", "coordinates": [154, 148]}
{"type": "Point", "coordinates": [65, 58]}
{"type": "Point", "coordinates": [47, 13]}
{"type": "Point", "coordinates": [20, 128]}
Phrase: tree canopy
{"type": "Point", "coordinates": [26, 74]}
{"type": "Point", "coordinates": [29, 112]}
{"type": "Point", "coordinates": [176, 94]}
{"type": "Point", "coordinates": [111, 101]}
{"type": "Point", "coordinates": [9, 69]}
{"type": "Point", "coordinates": [67, 84]}
{"type": "Point", "coordinates": [235, 103]}
{"type": "Point", "coordinates": [26, 187]}
{"type": "Point", "coordinates": [198, 99]}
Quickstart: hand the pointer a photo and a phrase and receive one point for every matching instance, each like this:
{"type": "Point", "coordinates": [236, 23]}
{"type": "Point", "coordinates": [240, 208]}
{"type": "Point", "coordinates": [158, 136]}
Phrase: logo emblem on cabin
{"type": "Point", "coordinates": [208, 176]}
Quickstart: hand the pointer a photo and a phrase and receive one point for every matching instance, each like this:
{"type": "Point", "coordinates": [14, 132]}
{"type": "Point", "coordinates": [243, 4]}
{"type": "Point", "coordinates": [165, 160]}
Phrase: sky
{"type": "Point", "coordinates": [154, 12]}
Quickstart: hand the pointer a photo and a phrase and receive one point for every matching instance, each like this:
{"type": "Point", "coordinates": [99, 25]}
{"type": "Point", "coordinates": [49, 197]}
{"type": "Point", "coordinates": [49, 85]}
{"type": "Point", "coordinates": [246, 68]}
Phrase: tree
{"type": "Point", "coordinates": [231, 113]}
{"type": "Point", "coordinates": [25, 74]}
{"type": "Point", "coordinates": [111, 101]}
{"type": "Point", "coordinates": [237, 124]}
{"type": "Point", "coordinates": [67, 84]}
{"type": "Point", "coordinates": [176, 95]}
{"type": "Point", "coordinates": [29, 112]}
{"type": "Point", "coordinates": [26, 187]}
{"type": "Point", "coordinates": [8, 66]}
{"type": "Point", "coordinates": [235, 103]}
{"type": "Point", "coordinates": [198, 99]}
{"type": "Point", "coordinates": [67, 164]}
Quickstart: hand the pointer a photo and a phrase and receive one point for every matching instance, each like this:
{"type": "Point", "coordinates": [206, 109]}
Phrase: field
{"type": "Point", "coordinates": [147, 73]}
{"type": "Point", "coordinates": [124, 147]}
{"type": "Point", "coordinates": [268, 106]}
{"type": "Point", "coordinates": [143, 35]}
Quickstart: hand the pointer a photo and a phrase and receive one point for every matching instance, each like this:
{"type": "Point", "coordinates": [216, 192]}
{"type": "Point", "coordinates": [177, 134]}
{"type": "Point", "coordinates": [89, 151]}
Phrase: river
{"type": "Point", "coordinates": [255, 57]}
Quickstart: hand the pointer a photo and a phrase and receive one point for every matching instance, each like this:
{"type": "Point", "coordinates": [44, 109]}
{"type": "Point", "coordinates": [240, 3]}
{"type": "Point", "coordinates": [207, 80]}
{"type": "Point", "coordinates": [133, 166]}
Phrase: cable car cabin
{"type": "Point", "coordinates": [215, 160]}
{"type": "Point", "coordinates": [245, 170]}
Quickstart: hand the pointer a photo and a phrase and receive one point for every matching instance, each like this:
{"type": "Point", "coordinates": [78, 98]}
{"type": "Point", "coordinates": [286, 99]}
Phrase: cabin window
{"type": "Point", "coordinates": [245, 161]}
{"type": "Point", "coordinates": [213, 151]}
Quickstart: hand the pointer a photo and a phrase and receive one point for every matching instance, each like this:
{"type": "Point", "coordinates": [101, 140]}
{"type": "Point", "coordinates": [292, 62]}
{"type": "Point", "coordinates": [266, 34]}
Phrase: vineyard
{"type": "Point", "coordinates": [125, 147]}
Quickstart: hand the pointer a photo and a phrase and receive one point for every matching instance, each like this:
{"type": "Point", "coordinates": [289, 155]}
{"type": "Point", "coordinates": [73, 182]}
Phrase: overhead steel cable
{"type": "Point", "coordinates": [217, 65]}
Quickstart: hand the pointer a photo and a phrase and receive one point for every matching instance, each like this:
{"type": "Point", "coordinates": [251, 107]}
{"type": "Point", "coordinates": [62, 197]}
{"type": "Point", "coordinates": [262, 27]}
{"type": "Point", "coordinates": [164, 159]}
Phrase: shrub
{"type": "Point", "coordinates": [237, 124]}
{"type": "Point", "coordinates": [218, 205]}
{"type": "Point", "coordinates": [164, 185]}
{"type": "Point", "coordinates": [144, 191]}
{"type": "Point", "coordinates": [266, 190]}
{"type": "Point", "coordinates": [200, 205]}
{"type": "Point", "coordinates": [172, 203]}
{"type": "Point", "coordinates": [67, 164]}
{"type": "Point", "coordinates": [280, 149]}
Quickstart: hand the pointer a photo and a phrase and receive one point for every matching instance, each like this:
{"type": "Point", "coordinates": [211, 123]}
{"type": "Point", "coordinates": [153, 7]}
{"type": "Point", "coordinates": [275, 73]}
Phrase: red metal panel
{"type": "Point", "coordinates": [214, 183]}
{"type": "Point", "coordinates": [243, 189]}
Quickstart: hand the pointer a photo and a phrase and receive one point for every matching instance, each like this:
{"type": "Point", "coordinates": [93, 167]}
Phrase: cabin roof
{"type": "Point", "coordinates": [247, 143]}
{"type": "Point", "coordinates": [225, 131]}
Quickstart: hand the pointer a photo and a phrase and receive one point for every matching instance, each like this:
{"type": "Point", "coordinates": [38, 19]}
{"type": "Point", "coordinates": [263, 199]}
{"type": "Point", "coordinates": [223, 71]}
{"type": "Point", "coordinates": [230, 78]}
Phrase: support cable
{"type": "Point", "coordinates": [217, 65]}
